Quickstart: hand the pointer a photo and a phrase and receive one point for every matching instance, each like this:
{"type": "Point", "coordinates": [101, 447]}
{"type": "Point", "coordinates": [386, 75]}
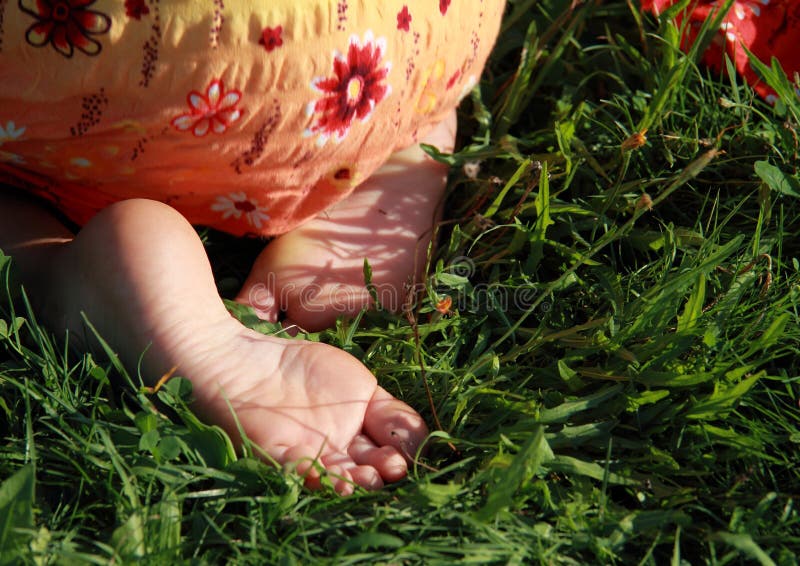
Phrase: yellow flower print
{"type": "Point", "coordinates": [344, 176]}
{"type": "Point", "coordinates": [432, 81]}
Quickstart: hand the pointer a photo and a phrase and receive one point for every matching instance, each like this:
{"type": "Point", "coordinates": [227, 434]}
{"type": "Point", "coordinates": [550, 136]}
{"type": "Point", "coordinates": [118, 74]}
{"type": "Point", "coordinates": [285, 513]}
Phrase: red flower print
{"type": "Point", "coordinates": [213, 111]}
{"type": "Point", "coordinates": [403, 19]}
{"type": "Point", "coordinates": [237, 204]}
{"type": "Point", "coordinates": [655, 5]}
{"type": "Point", "coordinates": [443, 6]}
{"type": "Point", "coordinates": [766, 28]}
{"type": "Point", "coordinates": [271, 37]}
{"type": "Point", "coordinates": [136, 9]}
{"type": "Point", "coordinates": [451, 82]}
{"type": "Point", "coordinates": [354, 90]}
{"type": "Point", "coordinates": [66, 25]}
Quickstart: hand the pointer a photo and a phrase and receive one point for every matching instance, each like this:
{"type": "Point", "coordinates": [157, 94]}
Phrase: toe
{"type": "Point", "coordinates": [341, 480]}
{"type": "Point", "coordinates": [262, 300]}
{"type": "Point", "coordinates": [366, 476]}
{"type": "Point", "coordinates": [335, 468]}
{"type": "Point", "coordinates": [302, 460]}
{"type": "Point", "coordinates": [388, 462]}
{"type": "Point", "coordinates": [390, 422]}
{"type": "Point", "coordinates": [312, 315]}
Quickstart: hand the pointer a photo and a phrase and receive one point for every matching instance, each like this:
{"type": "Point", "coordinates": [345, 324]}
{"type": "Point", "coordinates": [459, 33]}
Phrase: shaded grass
{"type": "Point", "coordinates": [618, 375]}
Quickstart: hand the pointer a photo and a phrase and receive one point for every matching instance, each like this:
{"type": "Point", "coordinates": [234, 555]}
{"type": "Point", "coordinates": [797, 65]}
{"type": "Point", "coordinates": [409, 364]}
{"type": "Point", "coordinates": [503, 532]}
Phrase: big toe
{"type": "Point", "coordinates": [387, 461]}
{"type": "Point", "coordinates": [298, 315]}
{"type": "Point", "coordinates": [390, 422]}
{"type": "Point", "coordinates": [261, 298]}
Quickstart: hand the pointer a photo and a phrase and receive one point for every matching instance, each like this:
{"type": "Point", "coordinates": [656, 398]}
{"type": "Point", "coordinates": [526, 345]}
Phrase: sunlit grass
{"type": "Point", "coordinates": [617, 380]}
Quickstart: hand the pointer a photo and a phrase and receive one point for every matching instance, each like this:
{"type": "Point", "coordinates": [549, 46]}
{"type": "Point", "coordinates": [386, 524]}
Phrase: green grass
{"type": "Point", "coordinates": [616, 384]}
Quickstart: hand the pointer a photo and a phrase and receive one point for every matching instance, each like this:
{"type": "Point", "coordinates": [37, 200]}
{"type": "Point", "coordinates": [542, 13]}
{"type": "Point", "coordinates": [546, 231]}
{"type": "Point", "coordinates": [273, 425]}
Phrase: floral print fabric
{"type": "Point", "coordinates": [768, 28]}
{"type": "Point", "coordinates": [356, 87]}
{"type": "Point", "coordinates": [66, 25]}
{"type": "Point", "coordinates": [250, 117]}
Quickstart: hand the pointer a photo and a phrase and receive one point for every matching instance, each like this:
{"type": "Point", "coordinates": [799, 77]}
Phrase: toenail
{"type": "Point", "coordinates": [399, 436]}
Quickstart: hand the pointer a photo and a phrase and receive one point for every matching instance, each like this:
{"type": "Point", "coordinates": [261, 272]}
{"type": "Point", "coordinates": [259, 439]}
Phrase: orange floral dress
{"type": "Point", "coordinates": [766, 28]}
{"type": "Point", "coordinates": [250, 117]}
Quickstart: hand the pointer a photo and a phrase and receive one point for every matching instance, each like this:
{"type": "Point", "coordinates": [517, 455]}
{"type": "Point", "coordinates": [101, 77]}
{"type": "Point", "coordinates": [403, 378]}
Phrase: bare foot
{"type": "Point", "coordinates": [314, 274]}
{"type": "Point", "coordinates": [301, 402]}
{"type": "Point", "coordinates": [139, 273]}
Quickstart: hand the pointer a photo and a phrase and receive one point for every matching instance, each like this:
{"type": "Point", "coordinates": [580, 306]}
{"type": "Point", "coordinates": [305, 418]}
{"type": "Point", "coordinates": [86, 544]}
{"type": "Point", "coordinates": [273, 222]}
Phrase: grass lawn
{"type": "Point", "coordinates": [617, 380]}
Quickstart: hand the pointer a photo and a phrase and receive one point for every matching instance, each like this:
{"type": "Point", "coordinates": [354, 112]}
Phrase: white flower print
{"type": "Point", "coordinates": [10, 132]}
{"type": "Point", "coordinates": [213, 111]}
{"type": "Point", "coordinates": [739, 12]}
{"type": "Point", "coordinates": [237, 204]}
{"type": "Point", "coordinates": [753, 5]}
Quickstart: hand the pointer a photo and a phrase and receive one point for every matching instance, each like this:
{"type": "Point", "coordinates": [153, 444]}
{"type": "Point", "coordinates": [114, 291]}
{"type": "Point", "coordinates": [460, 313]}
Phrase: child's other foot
{"type": "Point", "coordinates": [314, 274]}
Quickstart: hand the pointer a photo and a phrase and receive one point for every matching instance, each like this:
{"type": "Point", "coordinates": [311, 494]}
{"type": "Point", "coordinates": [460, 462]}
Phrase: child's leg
{"type": "Point", "coordinates": [315, 272]}
{"type": "Point", "coordinates": [140, 273]}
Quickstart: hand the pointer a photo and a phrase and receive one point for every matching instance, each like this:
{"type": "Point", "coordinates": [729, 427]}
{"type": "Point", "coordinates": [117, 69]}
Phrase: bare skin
{"type": "Point", "coordinates": [141, 276]}
{"type": "Point", "coordinates": [314, 274]}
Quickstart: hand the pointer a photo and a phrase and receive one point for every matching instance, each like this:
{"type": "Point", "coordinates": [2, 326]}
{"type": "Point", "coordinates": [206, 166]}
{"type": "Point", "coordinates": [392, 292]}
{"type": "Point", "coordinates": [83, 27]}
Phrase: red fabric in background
{"type": "Point", "coordinates": [768, 28]}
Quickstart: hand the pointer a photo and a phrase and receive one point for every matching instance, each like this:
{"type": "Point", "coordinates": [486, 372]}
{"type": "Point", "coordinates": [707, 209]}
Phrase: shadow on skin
{"type": "Point", "coordinates": [314, 274]}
